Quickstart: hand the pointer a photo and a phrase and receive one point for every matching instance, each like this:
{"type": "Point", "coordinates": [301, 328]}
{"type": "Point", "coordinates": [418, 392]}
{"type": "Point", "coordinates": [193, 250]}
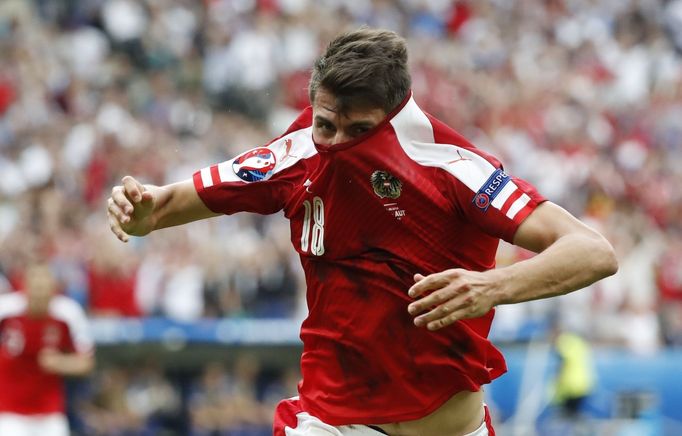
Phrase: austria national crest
{"type": "Point", "coordinates": [255, 165]}
{"type": "Point", "coordinates": [386, 185]}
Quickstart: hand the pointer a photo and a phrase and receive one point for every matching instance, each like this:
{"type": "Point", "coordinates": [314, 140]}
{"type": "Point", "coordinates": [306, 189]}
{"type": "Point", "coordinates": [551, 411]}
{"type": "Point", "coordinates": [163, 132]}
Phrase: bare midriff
{"type": "Point", "coordinates": [460, 415]}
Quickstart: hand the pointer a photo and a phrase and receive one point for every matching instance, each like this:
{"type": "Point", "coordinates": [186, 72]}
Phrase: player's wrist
{"type": "Point", "coordinates": [502, 288]}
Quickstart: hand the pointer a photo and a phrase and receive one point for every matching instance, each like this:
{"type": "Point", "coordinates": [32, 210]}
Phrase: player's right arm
{"type": "Point", "coordinates": [225, 188]}
{"type": "Point", "coordinates": [136, 209]}
{"type": "Point", "coordinates": [66, 364]}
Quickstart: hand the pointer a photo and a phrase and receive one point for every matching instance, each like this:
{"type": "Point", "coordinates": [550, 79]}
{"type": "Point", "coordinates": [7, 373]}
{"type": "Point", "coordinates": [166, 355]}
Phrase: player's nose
{"type": "Point", "coordinates": [339, 138]}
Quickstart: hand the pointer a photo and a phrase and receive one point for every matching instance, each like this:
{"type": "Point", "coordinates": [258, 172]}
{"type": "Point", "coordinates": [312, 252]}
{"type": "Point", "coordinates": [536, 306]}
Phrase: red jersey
{"type": "Point", "coordinates": [24, 387]}
{"type": "Point", "coordinates": [411, 196]}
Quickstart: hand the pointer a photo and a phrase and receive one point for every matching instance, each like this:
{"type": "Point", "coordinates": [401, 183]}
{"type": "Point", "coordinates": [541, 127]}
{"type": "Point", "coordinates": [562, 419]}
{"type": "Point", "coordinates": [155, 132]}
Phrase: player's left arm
{"type": "Point", "coordinates": [76, 356]}
{"type": "Point", "coordinates": [571, 256]}
{"type": "Point", "coordinates": [66, 364]}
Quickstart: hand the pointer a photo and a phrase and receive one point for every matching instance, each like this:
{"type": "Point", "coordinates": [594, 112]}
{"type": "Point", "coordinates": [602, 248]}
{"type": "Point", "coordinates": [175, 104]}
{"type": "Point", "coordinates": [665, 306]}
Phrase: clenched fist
{"type": "Point", "coordinates": [130, 209]}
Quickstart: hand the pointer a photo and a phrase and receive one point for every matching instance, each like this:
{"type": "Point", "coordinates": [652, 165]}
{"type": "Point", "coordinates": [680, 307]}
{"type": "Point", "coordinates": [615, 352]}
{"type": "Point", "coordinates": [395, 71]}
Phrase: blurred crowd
{"type": "Point", "coordinates": [583, 98]}
{"type": "Point", "coordinates": [236, 399]}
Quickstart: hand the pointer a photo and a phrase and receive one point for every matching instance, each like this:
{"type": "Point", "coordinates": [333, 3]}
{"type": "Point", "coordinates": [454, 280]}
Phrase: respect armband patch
{"type": "Point", "coordinates": [490, 189]}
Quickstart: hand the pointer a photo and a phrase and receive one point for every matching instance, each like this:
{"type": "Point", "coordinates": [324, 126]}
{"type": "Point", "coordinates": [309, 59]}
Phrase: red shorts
{"type": "Point", "coordinates": [289, 414]}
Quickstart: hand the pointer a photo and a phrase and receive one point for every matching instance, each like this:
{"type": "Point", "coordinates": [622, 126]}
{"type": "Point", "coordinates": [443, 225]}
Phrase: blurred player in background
{"type": "Point", "coordinates": [575, 377]}
{"type": "Point", "coordinates": [397, 219]}
{"type": "Point", "coordinates": [43, 337]}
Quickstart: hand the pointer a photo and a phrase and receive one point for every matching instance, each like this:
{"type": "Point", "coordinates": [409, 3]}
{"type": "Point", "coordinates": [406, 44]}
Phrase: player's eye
{"type": "Point", "coordinates": [360, 130]}
{"type": "Point", "coordinates": [326, 127]}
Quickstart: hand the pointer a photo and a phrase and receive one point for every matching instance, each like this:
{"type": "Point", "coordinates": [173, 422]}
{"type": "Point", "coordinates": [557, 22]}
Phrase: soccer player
{"type": "Point", "coordinates": [397, 219]}
{"type": "Point", "coordinates": [43, 337]}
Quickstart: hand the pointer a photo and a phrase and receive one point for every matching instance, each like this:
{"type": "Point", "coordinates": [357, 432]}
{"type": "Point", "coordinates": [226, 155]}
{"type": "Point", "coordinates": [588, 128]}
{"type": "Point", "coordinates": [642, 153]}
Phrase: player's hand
{"type": "Point", "coordinates": [49, 360]}
{"type": "Point", "coordinates": [129, 209]}
{"type": "Point", "coordinates": [451, 295]}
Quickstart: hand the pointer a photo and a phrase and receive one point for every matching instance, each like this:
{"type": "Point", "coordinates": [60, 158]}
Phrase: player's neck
{"type": "Point", "coordinates": [37, 309]}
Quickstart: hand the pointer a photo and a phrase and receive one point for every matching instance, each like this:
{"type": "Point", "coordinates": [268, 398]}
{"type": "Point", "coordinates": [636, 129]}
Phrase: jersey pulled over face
{"type": "Point", "coordinates": [410, 195]}
{"type": "Point", "coordinates": [331, 126]}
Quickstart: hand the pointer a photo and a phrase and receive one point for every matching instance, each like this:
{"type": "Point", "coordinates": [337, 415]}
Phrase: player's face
{"type": "Point", "coordinates": [330, 127]}
{"type": "Point", "coordinates": [40, 286]}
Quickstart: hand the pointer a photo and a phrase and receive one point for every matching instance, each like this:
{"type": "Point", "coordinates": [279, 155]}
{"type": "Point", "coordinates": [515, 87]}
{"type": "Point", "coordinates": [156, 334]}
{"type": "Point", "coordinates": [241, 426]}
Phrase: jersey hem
{"type": "Point", "coordinates": [385, 419]}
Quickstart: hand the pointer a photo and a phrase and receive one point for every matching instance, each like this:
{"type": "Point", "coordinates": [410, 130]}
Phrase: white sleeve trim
{"type": "Point", "coordinates": [517, 206]}
{"type": "Point", "coordinates": [504, 195]}
{"type": "Point", "coordinates": [67, 310]}
{"type": "Point", "coordinates": [206, 178]}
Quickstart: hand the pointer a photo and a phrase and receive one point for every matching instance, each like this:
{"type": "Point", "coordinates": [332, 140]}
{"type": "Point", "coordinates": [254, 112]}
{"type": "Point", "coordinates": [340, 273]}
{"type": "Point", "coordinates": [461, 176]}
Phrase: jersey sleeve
{"type": "Point", "coordinates": [494, 201]}
{"type": "Point", "coordinates": [259, 180]}
{"type": "Point", "coordinates": [11, 304]}
{"type": "Point", "coordinates": [73, 315]}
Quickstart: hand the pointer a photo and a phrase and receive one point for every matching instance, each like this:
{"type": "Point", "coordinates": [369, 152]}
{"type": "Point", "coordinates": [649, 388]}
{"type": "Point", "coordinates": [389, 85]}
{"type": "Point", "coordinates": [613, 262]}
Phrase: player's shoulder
{"type": "Point", "coordinates": [431, 143]}
{"type": "Point", "coordinates": [292, 147]}
{"type": "Point", "coordinates": [12, 304]}
{"type": "Point", "coordinates": [65, 308]}
{"type": "Point", "coordinates": [296, 142]}
{"type": "Point", "coordinates": [266, 161]}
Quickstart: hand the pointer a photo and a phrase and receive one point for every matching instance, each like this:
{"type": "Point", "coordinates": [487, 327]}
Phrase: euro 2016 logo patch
{"type": "Point", "coordinates": [490, 189]}
{"type": "Point", "coordinates": [386, 185]}
{"type": "Point", "coordinates": [255, 165]}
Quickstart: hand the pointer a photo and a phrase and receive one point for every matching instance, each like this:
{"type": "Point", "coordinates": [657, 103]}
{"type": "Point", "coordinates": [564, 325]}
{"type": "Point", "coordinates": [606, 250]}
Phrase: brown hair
{"type": "Point", "coordinates": [363, 68]}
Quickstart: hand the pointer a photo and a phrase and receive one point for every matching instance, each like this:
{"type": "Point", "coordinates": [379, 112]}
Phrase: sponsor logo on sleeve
{"type": "Point", "coordinates": [255, 165]}
{"type": "Point", "coordinates": [490, 189]}
{"type": "Point", "coordinates": [460, 158]}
